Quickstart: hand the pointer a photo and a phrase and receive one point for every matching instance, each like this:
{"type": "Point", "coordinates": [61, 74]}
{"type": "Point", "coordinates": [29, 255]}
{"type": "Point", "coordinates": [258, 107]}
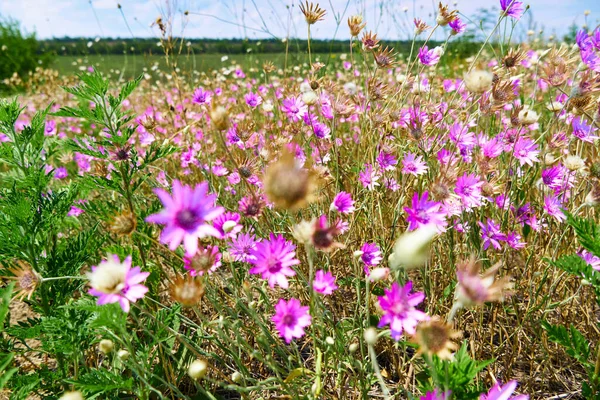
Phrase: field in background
{"type": "Point", "coordinates": [133, 65]}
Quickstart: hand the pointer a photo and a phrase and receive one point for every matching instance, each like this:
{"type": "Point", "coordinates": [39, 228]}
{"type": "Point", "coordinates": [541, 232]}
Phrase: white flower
{"type": "Point", "coordinates": [412, 248]}
{"type": "Point", "coordinates": [478, 81]}
{"type": "Point", "coordinates": [198, 369]}
{"type": "Point", "coordinates": [309, 97]}
{"type": "Point", "coordinates": [108, 276]}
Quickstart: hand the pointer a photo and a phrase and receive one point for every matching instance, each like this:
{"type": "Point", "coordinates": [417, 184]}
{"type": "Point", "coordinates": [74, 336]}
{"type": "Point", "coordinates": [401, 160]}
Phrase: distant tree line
{"type": "Point", "coordinates": [85, 46]}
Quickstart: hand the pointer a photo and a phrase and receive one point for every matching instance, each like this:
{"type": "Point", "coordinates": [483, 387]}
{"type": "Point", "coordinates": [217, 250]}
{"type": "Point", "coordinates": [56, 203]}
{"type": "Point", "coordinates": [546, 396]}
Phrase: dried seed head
{"type": "Point", "coordinates": [436, 337]}
{"type": "Point", "coordinates": [513, 58]}
{"type": "Point", "coordinates": [445, 16]}
{"type": "Point", "coordinates": [27, 280]}
{"type": "Point", "coordinates": [312, 12]}
{"type": "Point", "coordinates": [123, 224]}
{"type": "Point", "coordinates": [287, 184]}
{"type": "Point", "coordinates": [478, 81]}
{"type": "Point", "coordinates": [268, 67]}
{"type": "Point", "coordinates": [385, 57]}
{"type": "Point", "coordinates": [187, 291]}
{"type": "Point", "coordinates": [370, 41]}
{"type": "Point", "coordinates": [219, 117]}
{"type": "Point", "coordinates": [355, 23]}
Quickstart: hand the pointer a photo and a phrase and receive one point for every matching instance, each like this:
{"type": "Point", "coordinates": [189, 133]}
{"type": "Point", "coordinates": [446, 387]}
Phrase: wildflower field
{"type": "Point", "coordinates": [382, 226]}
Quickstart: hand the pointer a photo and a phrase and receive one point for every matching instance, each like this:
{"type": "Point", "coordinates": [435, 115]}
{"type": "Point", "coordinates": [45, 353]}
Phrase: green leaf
{"type": "Point", "coordinates": [575, 344]}
{"type": "Point", "coordinates": [5, 296]}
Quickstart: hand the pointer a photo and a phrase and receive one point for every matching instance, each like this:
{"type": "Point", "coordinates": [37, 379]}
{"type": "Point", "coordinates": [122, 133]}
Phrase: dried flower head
{"type": "Point", "coordinates": [312, 12]}
{"type": "Point", "coordinates": [475, 289]}
{"type": "Point", "coordinates": [502, 92]}
{"type": "Point", "coordinates": [513, 58]}
{"type": "Point", "coordinates": [123, 224]}
{"type": "Point", "coordinates": [356, 24]}
{"type": "Point", "coordinates": [219, 117]}
{"type": "Point", "coordinates": [445, 16]}
{"type": "Point", "coordinates": [370, 41]}
{"type": "Point", "coordinates": [420, 26]}
{"type": "Point", "coordinates": [26, 280]}
{"type": "Point", "coordinates": [436, 337]}
{"type": "Point", "coordinates": [187, 290]}
{"type": "Point", "coordinates": [269, 67]}
{"type": "Point", "coordinates": [478, 81]}
{"type": "Point", "coordinates": [385, 57]}
{"type": "Point", "coordinates": [289, 185]}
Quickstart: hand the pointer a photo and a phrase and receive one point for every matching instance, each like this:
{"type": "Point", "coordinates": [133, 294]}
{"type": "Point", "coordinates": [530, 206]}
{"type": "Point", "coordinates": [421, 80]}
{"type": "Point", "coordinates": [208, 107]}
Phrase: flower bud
{"type": "Point", "coordinates": [353, 347]}
{"type": "Point", "coordinates": [123, 355]}
{"type": "Point", "coordinates": [106, 346]}
{"type": "Point", "coordinates": [370, 335]}
{"type": "Point", "coordinates": [329, 340]}
{"type": "Point", "coordinates": [228, 226]}
{"type": "Point", "coordinates": [412, 248]}
{"type": "Point", "coordinates": [198, 369]}
{"type": "Point", "coordinates": [71, 396]}
{"type": "Point", "coordinates": [236, 377]}
{"type": "Point", "coordinates": [379, 274]}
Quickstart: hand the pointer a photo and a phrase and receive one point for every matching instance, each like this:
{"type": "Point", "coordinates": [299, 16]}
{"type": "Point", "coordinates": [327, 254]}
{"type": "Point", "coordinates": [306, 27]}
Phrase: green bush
{"type": "Point", "coordinates": [19, 51]}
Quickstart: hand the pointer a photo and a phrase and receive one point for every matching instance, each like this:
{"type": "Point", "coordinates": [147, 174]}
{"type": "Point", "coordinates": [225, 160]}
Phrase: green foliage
{"type": "Point", "coordinates": [20, 52]}
{"type": "Point", "coordinates": [457, 375]}
{"type": "Point", "coordinates": [572, 340]}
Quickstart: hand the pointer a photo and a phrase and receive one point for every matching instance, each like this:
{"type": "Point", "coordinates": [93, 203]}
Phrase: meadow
{"type": "Point", "coordinates": [347, 226]}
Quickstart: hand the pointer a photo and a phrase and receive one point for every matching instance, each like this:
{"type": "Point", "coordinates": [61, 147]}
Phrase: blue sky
{"type": "Point", "coordinates": [391, 19]}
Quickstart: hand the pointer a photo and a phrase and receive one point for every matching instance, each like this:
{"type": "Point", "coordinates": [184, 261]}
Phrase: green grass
{"type": "Point", "coordinates": [133, 65]}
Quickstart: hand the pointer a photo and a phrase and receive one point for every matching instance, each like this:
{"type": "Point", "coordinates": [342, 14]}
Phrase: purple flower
{"type": "Point", "coordinates": [398, 305]}
{"type": "Point", "coordinates": [583, 131]}
{"type": "Point", "coordinates": [201, 96]}
{"type": "Point", "coordinates": [468, 187]}
{"type": "Point", "coordinates": [185, 215]}
{"type": "Point", "coordinates": [291, 318]}
{"type": "Point", "coordinates": [228, 224]}
{"type": "Point", "coordinates": [75, 211]}
{"type": "Point", "coordinates": [498, 392]}
{"type": "Point", "coordinates": [386, 161]}
{"type": "Point", "coordinates": [526, 151]}
{"type": "Point", "coordinates": [241, 247]}
{"type": "Point", "coordinates": [457, 26]}
{"type": "Point", "coordinates": [414, 165]}
{"type": "Point", "coordinates": [369, 177]}
{"type": "Point", "coordinates": [115, 281]}
{"type": "Point", "coordinates": [429, 57]}
{"type": "Point", "coordinates": [324, 283]}
{"type": "Point", "coordinates": [553, 176]}
{"type": "Point", "coordinates": [343, 203]}
{"type": "Point", "coordinates": [424, 212]}
{"type": "Point", "coordinates": [272, 259]}
{"type": "Point", "coordinates": [371, 255]}
{"type": "Point", "coordinates": [320, 130]}
{"type": "Point", "coordinates": [591, 260]}
{"type": "Point", "coordinates": [253, 100]}
{"type": "Point", "coordinates": [491, 234]}
{"type": "Point", "coordinates": [513, 239]}
{"type": "Point", "coordinates": [61, 173]}
{"type": "Point", "coordinates": [294, 108]}
{"type": "Point", "coordinates": [552, 206]}
{"type": "Point", "coordinates": [512, 8]}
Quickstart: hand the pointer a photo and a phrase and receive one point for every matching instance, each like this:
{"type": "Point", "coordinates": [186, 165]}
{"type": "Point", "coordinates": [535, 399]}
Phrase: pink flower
{"type": "Point", "coordinates": [185, 215]}
{"type": "Point", "coordinates": [468, 187]}
{"type": "Point", "coordinates": [201, 96]}
{"type": "Point", "coordinates": [590, 259]}
{"type": "Point", "coordinates": [526, 151]}
{"type": "Point", "coordinates": [512, 8]}
{"type": "Point", "coordinates": [498, 392]}
{"type": "Point", "coordinates": [491, 234]}
{"type": "Point", "coordinates": [414, 165]}
{"type": "Point", "coordinates": [324, 283]}
{"type": "Point", "coordinates": [228, 224]}
{"type": "Point", "coordinates": [253, 100]}
{"type": "Point", "coordinates": [552, 206]}
{"type": "Point", "coordinates": [399, 305]}
{"type": "Point", "coordinates": [294, 108]}
{"type": "Point", "coordinates": [272, 259]}
{"type": "Point", "coordinates": [583, 131]}
{"type": "Point", "coordinates": [290, 319]}
{"type": "Point", "coordinates": [424, 212]}
{"type": "Point", "coordinates": [115, 281]}
{"type": "Point", "coordinates": [241, 246]}
{"type": "Point", "coordinates": [369, 177]}
{"type": "Point", "coordinates": [343, 203]}
{"type": "Point", "coordinates": [371, 255]}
